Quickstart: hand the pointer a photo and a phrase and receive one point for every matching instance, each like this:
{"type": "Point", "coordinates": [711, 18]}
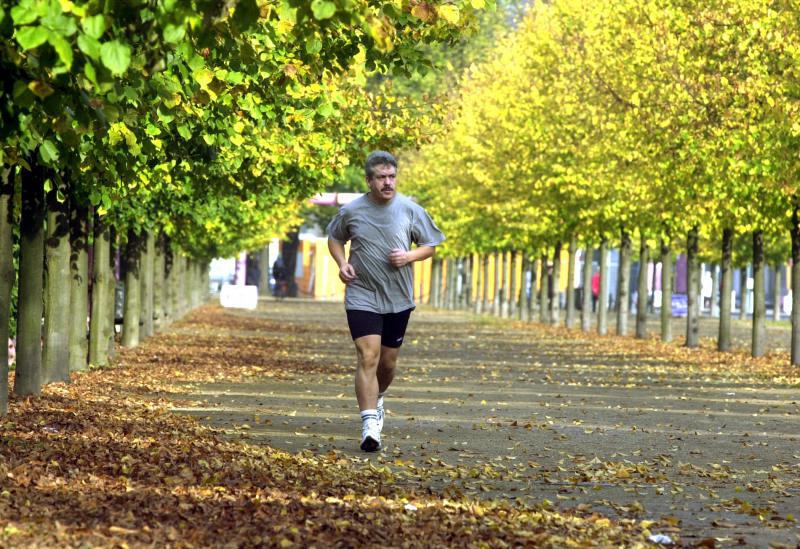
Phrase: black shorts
{"type": "Point", "coordinates": [390, 326]}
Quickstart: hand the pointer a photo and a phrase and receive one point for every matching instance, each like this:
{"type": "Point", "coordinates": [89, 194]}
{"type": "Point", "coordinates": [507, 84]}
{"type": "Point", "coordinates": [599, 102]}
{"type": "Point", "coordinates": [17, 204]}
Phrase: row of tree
{"type": "Point", "coordinates": [176, 131]}
{"type": "Point", "coordinates": [670, 124]}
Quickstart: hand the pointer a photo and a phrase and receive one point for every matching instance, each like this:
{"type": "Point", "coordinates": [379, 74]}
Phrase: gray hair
{"type": "Point", "coordinates": [378, 158]}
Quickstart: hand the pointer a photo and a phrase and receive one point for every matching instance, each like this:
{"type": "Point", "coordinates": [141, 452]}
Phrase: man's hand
{"type": "Point", "coordinates": [347, 273]}
{"type": "Point", "coordinates": [399, 258]}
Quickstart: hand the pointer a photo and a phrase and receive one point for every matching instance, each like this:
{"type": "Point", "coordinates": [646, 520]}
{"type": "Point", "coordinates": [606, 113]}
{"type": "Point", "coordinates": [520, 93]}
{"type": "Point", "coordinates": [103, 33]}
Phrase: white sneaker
{"type": "Point", "coordinates": [370, 436]}
{"type": "Point", "coordinates": [380, 414]}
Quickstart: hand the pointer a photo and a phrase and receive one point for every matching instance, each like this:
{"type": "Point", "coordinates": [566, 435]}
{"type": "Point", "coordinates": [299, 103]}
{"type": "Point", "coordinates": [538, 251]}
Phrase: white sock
{"type": "Point", "coordinates": [366, 415]}
{"type": "Point", "coordinates": [380, 399]}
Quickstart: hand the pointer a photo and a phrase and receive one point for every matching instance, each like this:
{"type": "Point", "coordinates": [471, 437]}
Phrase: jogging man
{"type": "Point", "coordinates": [380, 225]}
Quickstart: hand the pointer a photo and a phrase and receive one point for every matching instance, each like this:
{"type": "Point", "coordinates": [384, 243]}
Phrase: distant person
{"type": "Point", "coordinates": [595, 289]}
{"type": "Point", "coordinates": [381, 225]}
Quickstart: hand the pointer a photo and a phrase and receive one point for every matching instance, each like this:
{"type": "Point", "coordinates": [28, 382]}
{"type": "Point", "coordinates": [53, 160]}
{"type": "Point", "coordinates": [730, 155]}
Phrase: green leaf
{"type": "Point", "coordinates": [174, 33]}
{"type": "Point", "coordinates": [116, 56]}
{"type": "Point", "coordinates": [89, 45]}
{"type": "Point", "coordinates": [48, 151]}
{"type": "Point", "coordinates": [94, 26]}
{"type": "Point", "coordinates": [313, 45]}
{"type": "Point", "coordinates": [63, 49]}
{"type": "Point", "coordinates": [323, 9]}
{"type": "Point", "coordinates": [184, 131]}
{"type": "Point", "coordinates": [90, 73]}
{"type": "Point", "coordinates": [245, 14]}
{"type": "Point", "coordinates": [203, 77]}
{"type": "Point", "coordinates": [32, 37]}
{"type": "Point", "coordinates": [24, 14]}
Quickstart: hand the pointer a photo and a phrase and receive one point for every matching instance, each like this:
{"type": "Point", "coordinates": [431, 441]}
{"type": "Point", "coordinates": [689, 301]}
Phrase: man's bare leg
{"type": "Point", "coordinates": [368, 349]}
{"type": "Point", "coordinates": [386, 366]}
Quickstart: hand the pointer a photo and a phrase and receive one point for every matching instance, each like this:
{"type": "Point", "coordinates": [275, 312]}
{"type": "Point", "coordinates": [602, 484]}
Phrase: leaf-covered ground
{"type": "Point", "coordinates": [104, 461]}
{"type": "Point", "coordinates": [692, 444]}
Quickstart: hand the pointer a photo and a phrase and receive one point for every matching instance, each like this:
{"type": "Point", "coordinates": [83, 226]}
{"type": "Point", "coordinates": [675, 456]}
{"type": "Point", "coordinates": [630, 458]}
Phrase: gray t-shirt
{"type": "Point", "coordinates": [374, 230]}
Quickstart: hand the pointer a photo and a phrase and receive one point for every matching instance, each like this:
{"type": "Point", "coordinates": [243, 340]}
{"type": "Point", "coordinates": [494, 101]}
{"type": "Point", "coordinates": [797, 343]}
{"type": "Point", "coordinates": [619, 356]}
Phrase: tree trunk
{"type": "Point", "coordinates": [523, 287]}
{"type": "Point", "coordinates": [570, 319]}
{"type": "Point", "coordinates": [776, 293]}
{"type": "Point", "coordinates": [6, 276]}
{"type": "Point", "coordinates": [666, 292]}
{"type": "Point", "coordinates": [467, 287]}
{"type": "Point", "coordinates": [452, 282]}
{"type": "Point", "coordinates": [263, 275]}
{"type": "Point", "coordinates": [485, 297]}
{"type": "Point", "coordinates": [726, 285]}
{"type": "Point", "coordinates": [158, 284]}
{"type": "Point", "coordinates": [743, 291]}
{"type": "Point", "coordinates": [497, 302]}
{"type": "Point", "coordinates": [132, 310]}
{"type": "Point", "coordinates": [290, 247]}
{"type": "Point", "coordinates": [79, 288]}
{"type": "Point", "coordinates": [555, 286]}
{"type": "Point", "coordinates": [512, 285]}
{"type": "Point", "coordinates": [693, 283]}
{"type": "Point", "coordinates": [436, 273]}
{"type": "Point", "coordinates": [602, 301]}
{"type": "Point", "coordinates": [148, 267]}
{"type": "Point", "coordinates": [586, 294]}
{"type": "Point", "coordinates": [111, 325]}
{"type": "Point", "coordinates": [623, 283]}
{"type": "Point", "coordinates": [28, 378]}
{"type": "Point", "coordinates": [544, 289]}
{"type": "Point", "coordinates": [98, 337]}
{"type": "Point", "coordinates": [534, 289]}
{"type": "Point", "coordinates": [479, 282]}
{"type": "Point", "coordinates": [795, 234]}
{"type": "Point", "coordinates": [641, 289]}
{"type": "Point", "coordinates": [169, 283]}
{"type": "Point", "coordinates": [759, 341]}
{"type": "Point", "coordinates": [714, 304]}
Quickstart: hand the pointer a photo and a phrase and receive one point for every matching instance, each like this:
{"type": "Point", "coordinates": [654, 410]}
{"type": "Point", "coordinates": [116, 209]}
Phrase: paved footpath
{"type": "Point", "coordinates": [501, 409]}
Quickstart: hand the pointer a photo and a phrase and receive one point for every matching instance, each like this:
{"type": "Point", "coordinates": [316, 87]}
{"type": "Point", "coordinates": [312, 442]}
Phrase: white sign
{"type": "Point", "coordinates": [239, 297]}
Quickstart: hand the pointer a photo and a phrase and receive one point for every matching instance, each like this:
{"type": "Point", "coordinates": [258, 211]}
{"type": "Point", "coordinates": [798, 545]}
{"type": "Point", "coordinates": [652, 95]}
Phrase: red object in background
{"type": "Point", "coordinates": [596, 284]}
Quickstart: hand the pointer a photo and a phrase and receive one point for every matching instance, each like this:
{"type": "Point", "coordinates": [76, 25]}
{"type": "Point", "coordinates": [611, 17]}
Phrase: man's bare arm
{"type": "Point", "coordinates": [347, 273]}
{"type": "Point", "coordinates": [401, 258]}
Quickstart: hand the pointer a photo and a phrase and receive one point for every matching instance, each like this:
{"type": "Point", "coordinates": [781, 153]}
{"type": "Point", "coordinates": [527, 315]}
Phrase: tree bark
{"type": "Point", "coordinates": [512, 285]}
{"type": "Point", "coordinates": [743, 292]}
{"type": "Point", "coordinates": [535, 267]}
{"type": "Point", "coordinates": [666, 291]}
{"type": "Point", "coordinates": [759, 342]}
{"type": "Point", "coordinates": [111, 325]}
{"type": "Point", "coordinates": [158, 284]}
{"type": "Point", "coordinates": [725, 287]}
{"type": "Point", "coordinates": [467, 287]}
{"type": "Point", "coordinates": [28, 378]}
{"type": "Point", "coordinates": [586, 294]}
{"type": "Point", "coordinates": [623, 283]}
{"type": "Point", "coordinates": [497, 302]}
{"type": "Point", "coordinates": [479, 282]}
{"type": "Point", "coordinates": [485, 297]}
{"type": "Point", "coordinates": [602, 301]}
{"type": "Point", "coordinates": [776, 293]}
{"type": "Point", "coordinates": [693, 283]}
{"type": "Point", "coordinates": [641, 289]}
{"type": "Point", "coordinates": [544, 290]}
{"type": "Point", "coordinates": [290, 247]}
{"type": "Point", "coordinates": [795, 234]}
{"type": "Point", "coordinates": [436, 280]}
{"type": "Point", "coordinates": [79, 288]}
{"type": "Point", "coordinates": [452, 283]}
{"type": "Point", "coordinates": [263, 276]}
{"type": "Point", "coordinates": [148, 267]}
{"type": "Point", "coordinates": [523, 289]}
{"type": "Point", "coordinates": [570, 317]}
{"type": "Point", "coordinates": [132, 310]}
{"type": "Point", "coordinates": [99, 318]}
{"type": "Point", "coordinates": [555, 286]}
{"type": "Point", "coordinates": [6, 276]}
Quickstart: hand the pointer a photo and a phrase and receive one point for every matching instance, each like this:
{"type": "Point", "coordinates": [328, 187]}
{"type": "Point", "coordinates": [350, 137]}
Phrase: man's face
{"type": "Point", "coordinates": [383, 183]}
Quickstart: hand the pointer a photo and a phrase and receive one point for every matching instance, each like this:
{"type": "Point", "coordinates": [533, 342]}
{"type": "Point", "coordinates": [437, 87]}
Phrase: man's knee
{"type": "Point", "coordinates": [388, 359]}
{"type": "Point", "coordinates": [368, 355]}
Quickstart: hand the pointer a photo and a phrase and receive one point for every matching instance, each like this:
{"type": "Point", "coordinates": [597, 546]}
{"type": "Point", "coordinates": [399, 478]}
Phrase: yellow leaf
{"type": "Point", "coordinates": [478, 4]}
{"type": "Point", "coordinates": [449, 13]}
